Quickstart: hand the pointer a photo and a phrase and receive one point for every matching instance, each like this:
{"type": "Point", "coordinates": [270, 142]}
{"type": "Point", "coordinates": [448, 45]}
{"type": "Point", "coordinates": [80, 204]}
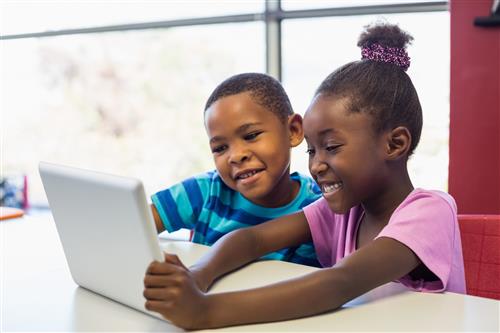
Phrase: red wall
{"type": "Point", "coordinates": [474, 171]}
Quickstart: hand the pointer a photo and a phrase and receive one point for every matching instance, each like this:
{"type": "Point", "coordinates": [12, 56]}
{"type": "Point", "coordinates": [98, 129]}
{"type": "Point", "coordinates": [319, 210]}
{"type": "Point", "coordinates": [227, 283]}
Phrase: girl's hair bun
{"type": "Point", "coordinates": [383, 42]}
{"type": "Point", "coordinates": [385, 34]}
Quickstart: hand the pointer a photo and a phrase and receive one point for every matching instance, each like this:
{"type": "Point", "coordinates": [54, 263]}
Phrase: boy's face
{"type": "Point", "coordinates": [346, 156]}
{"type": "Point", "coordinates": [251, 148]}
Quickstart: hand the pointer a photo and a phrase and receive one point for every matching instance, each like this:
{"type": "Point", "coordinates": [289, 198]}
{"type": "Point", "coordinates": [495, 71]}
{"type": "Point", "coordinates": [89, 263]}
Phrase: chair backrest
{"type": "Point", "coordinates": [481, 251]}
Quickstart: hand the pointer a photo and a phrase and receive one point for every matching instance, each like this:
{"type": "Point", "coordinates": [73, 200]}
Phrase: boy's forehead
{"type": "Point", "coordinates": [244, 97]}
{"type": "Point", "coordinates": [220, 127]}
{"type": "Point", "coordinates": [239, 107]}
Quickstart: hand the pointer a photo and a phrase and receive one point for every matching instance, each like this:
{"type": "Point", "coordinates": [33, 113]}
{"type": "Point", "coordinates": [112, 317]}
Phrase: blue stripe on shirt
{"type": "Point", "coordinates": [171, 211]}
{"type": "Point", "coordinates": [211, 235]}
{"type": "Point", "coordinates": [194, 194]}
{"type": "Point", "coordinates": [224, 211]}
{"type": "Point", "coordinates": [306, 202]}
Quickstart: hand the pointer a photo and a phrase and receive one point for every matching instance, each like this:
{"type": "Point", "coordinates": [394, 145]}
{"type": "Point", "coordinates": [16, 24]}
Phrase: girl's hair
{"type": "Point", "coordinates": [378, 84]}
{"type": "Point", "coordinates": [264, 90]}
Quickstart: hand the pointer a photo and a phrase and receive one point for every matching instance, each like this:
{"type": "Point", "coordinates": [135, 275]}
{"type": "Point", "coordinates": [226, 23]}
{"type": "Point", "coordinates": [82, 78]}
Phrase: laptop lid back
{"type": "Point", "coordinates": [106, 229]}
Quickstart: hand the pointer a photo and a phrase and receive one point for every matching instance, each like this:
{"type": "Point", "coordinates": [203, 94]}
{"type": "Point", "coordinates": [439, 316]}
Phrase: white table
{"type": "Point", "coordinates": [38, 294]}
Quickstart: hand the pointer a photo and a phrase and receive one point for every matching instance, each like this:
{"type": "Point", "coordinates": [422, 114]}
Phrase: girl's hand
{"type": "Point", "coordinates": [196, 273]}
{"type": "Point", "coordinates": [172, 291]}
{"type": "Point", "coordinates": [200, 279]}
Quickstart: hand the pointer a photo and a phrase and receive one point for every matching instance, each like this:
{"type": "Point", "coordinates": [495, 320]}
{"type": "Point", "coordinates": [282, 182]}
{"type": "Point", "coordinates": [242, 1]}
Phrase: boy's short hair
{"type": "Point", "coordinates": [264, 89]}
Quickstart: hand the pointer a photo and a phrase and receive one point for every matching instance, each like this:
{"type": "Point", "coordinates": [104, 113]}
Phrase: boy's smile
{"type": "Point", "coordinates": [247, 176]}
{"type": "Point", "coordinates": [251, 149]}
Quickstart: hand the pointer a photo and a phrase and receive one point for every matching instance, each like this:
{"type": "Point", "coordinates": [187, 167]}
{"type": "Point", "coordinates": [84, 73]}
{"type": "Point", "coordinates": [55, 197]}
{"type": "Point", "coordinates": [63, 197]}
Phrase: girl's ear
{"type": "Point", "coordinates": [398, 143]}
{"type": "Point", "coordinates": [295, 129]}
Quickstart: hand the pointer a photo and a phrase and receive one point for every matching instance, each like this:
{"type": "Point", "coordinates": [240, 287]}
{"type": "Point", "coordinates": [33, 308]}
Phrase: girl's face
{"type": "Point", "coordinates": [346, 156]}
{"type": "Point", "coordinates": [251, 148]}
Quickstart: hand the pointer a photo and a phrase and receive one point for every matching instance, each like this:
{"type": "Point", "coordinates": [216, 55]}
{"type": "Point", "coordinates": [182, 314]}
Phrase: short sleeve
{"type": "Point", "coordinates": [426, 222]}
{"type": "Point", "coordinates": [318, 214]}
{"type": "Point", "coordinates": [179, 206]}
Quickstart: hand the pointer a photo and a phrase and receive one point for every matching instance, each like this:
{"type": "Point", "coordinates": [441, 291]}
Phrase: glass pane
{"type": "Point", "coordinates": [129, 103]}
{"type": "Point", "coordinates": [314, 4]}
{"type": "Point", "coordinates": [30, 16]}
{"type": "Point", "coordinates": [331, 42]}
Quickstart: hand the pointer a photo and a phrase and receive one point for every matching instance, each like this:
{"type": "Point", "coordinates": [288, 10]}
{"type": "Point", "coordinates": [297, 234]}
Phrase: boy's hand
{"type": "Point", "coordinates": [172, 291]}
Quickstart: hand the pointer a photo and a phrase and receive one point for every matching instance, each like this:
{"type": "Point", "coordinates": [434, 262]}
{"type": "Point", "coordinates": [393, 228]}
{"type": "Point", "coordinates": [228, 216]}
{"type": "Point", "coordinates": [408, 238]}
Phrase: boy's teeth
{"type": "Point", "coordinates": [332, 187]}
{"type": "Point", "coordinates": [248, 174]}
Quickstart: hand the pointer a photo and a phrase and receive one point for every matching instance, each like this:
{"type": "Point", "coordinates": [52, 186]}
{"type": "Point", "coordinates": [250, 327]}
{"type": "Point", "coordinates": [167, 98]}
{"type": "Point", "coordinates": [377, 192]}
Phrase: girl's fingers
{"type": "Point", "coordinates": [161, 268]}
{"type": "Point", "coordinates": [158, 294]}
{"type": "Point", "coordinates": [156, 306]}
{"type": "Point", "coordinates": [157, 281]}
{"type": "Point", "coordinates": [173, 259]}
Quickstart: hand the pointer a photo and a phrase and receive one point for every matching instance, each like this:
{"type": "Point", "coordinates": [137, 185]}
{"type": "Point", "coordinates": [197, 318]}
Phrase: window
{"type": "Point", "coordinates": [129, 103]}
{"type": "Point", "coordinates": [314, 4]}
{"type": "Point", "coordinates": [21, 16]}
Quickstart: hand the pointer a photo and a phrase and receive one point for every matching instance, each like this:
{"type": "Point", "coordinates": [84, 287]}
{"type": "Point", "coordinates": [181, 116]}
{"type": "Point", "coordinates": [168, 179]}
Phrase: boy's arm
{"type": "Point", "coordinates": [159, 224]}
{"type": "Point", "coordinates": [377, 263]}
{"type": "Point", "coordinates": [179, 206]}
{"type": "Point", "coordinates": [245, 245]}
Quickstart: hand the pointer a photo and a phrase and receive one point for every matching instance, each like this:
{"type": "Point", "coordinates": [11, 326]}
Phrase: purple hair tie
{"type": "Point", "coordinates": [392, 55]}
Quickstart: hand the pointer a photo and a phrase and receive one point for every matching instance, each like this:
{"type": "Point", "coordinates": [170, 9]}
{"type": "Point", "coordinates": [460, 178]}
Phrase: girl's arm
{"type": "Point", "coordinates": [375, 264]}
{"type": "Point", "coordinates": [245, 245]}
{"type": "Point", "coordinates": [380, 262]}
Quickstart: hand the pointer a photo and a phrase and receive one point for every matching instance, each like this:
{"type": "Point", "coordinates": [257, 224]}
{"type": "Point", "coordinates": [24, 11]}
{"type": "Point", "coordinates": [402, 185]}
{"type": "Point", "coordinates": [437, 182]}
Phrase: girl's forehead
{"type": "Point", "coordinates": [333, 115]}
{"type": "Point", "coordinates": [327, 109]}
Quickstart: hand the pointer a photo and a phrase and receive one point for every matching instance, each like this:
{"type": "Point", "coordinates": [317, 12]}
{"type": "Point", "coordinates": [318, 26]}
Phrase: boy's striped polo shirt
{"type": "Point", "coordinates": [205, 204]}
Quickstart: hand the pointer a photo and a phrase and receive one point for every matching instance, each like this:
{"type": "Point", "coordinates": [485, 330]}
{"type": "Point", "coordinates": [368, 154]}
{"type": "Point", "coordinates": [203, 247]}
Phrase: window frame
{"type": "Point", "coordinates": [272, 16]}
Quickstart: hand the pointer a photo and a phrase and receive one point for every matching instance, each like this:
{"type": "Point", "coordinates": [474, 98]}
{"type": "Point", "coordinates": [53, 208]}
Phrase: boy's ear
{"type": "Point", "coordinates": [295, 129]}
{"type": "Point", "coordinates": [398, 143]}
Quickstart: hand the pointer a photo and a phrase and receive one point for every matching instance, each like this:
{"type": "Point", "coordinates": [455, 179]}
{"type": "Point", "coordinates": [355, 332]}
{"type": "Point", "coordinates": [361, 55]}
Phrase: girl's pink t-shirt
{"type": "Point", "coordinates": [426, 222]}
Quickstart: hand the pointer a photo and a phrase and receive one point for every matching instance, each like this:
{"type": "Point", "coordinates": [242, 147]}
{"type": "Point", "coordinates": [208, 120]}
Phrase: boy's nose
{"type": "Point", "coordinates": [239, 156]}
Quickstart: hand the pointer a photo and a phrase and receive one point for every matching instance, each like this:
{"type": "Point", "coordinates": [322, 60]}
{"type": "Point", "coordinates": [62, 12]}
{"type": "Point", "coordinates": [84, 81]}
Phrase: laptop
{"type": "Point", "coordinates": [106, 230]}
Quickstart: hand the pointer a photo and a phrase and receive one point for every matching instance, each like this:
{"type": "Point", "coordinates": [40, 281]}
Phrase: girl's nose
{"type": "Point", "coordinates": [316, 166]}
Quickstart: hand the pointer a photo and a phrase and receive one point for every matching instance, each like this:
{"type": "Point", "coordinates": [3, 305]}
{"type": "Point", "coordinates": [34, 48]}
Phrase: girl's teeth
{"type": "Point", "coordinates": [332, 187]}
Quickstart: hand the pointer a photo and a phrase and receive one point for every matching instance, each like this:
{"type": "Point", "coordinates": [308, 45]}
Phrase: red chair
{"type": "Point", "coordinates": [481, 250]}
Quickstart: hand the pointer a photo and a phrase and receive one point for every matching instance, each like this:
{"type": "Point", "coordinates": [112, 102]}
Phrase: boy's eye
{"type": "Point", "coordinates": [310, 151]}
{"type": "Point", "coordinates": [332, 148]}
{"type": "Point", "coordinates": [251, 136]}
{"type": "Point", "coordinates": [219, 149]}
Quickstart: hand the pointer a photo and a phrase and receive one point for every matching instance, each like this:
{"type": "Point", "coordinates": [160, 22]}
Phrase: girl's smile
{"type": "Point", "coordinates": [330, 188]}
{"type": "Point", "coordinates": [345, 156]}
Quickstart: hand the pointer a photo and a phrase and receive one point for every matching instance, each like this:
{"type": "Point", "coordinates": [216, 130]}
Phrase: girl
{"type": "Point", "coordinates": [370, 227]}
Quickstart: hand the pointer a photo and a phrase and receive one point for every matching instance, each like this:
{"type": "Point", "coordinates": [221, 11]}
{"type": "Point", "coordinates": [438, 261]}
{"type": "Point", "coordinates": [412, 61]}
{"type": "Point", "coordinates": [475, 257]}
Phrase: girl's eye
{"type": "Point", "coordinates": [219, 149]}
{"type": "Point", "coordinates": [252, 136]}
{"type": "Point", "coordinates": [310, 151]}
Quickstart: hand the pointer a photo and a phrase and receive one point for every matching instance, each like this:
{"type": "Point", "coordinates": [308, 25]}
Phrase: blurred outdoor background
{"type": "Point", "coordinates": [130, 101]}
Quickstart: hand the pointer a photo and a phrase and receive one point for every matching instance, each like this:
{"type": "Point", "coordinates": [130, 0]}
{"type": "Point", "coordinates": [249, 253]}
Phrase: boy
{"type": "Point", "coordinates": [251, 128]}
